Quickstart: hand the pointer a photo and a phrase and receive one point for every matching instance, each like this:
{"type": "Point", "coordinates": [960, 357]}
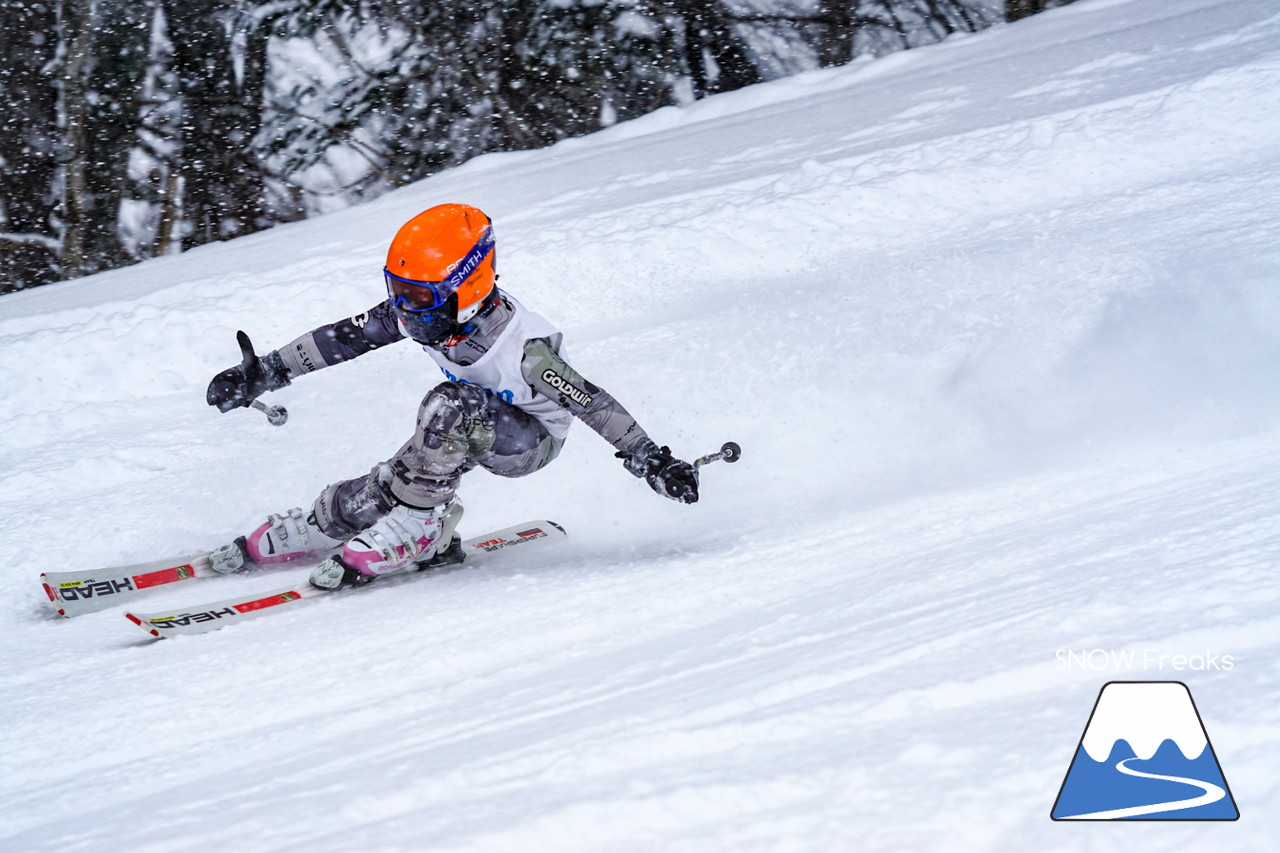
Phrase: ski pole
{"type": "Point", "coordinates": [729, 452]}
{"type": "Point", "coordinates": [276, 415]}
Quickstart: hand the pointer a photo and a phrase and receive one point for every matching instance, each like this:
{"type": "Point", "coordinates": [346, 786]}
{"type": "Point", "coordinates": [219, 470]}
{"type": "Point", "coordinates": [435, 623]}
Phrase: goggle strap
{"type": "Point", "coordinates": [470, 262]}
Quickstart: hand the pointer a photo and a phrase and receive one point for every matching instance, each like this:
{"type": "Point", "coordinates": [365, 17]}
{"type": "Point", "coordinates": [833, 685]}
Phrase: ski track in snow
{"type": "Point", "coordinates": [995, 323]}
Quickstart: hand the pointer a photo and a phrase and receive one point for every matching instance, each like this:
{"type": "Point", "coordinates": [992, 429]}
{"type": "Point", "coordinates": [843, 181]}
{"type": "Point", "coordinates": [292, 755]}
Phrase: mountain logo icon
{"type": "Point", "coordinates": [1144, 755]}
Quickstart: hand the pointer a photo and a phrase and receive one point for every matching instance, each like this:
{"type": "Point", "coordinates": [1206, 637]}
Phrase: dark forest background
{"type": "Point", "coordinates": [136, 128]}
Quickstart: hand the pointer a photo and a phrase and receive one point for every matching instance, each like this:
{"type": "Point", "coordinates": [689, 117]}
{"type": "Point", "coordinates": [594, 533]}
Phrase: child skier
{"type": "Point", "coordinates": [506, 406]}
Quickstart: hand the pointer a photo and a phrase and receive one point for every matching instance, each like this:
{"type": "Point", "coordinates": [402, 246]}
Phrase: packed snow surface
{"type": "Point", "coordinates": [997, 325]}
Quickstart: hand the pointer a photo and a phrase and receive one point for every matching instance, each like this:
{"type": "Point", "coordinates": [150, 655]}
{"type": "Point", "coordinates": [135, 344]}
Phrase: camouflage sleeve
{"type": "Point", "coordinates": [550, 375]}
{"type": "Point", "coordinates": [341, 341]}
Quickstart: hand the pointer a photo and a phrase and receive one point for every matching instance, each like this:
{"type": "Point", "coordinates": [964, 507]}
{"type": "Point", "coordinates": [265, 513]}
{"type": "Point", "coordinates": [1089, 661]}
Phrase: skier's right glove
{"type": "Point", "coordinates": [668, 476]}
{"type": "Point", "coordinates": [239, 386]}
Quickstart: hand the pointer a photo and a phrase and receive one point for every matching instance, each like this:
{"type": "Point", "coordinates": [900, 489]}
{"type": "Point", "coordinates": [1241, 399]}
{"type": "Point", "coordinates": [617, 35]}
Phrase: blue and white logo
{"type": "Point", "coordinates": [1145, 755]}
{"type": "Point", "coordinates": [504, 396]}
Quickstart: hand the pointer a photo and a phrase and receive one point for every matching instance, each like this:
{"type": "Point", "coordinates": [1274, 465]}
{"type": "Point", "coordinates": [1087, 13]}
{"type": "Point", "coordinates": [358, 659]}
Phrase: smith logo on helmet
{"type": "Point", "coordinates": [564, 386]}
{"type": "Point", "coordinates": [458, 271]}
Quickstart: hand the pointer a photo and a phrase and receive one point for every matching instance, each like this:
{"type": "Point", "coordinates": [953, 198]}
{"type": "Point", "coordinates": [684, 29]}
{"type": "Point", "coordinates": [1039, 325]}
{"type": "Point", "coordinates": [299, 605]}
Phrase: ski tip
{"type": "Point", "coordinates": [135, 620]}
{"type": "Point", "coordinates": [53, 596]}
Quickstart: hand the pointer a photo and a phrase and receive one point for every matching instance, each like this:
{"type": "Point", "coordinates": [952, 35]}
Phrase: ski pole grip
{"type": "Point", "coordinates": [276, 415]}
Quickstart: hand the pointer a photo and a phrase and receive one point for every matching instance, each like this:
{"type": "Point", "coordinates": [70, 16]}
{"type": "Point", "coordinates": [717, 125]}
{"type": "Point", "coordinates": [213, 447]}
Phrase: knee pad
{"type": "Point", "coordinates": [458, 411]}
{"type": "Point", "coordinates": [470, 401]}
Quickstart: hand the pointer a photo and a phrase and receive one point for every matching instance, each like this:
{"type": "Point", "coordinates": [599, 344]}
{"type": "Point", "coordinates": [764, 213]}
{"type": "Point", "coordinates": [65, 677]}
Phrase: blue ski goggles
{"type": "Point", "coordinates": [408, 294]}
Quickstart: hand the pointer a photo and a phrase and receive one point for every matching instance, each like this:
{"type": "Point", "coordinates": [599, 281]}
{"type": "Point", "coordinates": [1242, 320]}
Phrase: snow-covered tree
{"type": "Point", "coordinates": [219, 63]}
{"type": "Point", "coordinates": [28, 145]}
{"type": "Point", "coordinates": [135, 127]}
{"type": "Point", "coordinates": [411, 87]}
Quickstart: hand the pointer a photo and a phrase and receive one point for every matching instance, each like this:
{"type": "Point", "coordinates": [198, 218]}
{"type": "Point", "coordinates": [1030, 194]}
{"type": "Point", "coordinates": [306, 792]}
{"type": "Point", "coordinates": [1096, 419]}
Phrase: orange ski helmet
{"type": "Point", "coordinates": [442, 257]}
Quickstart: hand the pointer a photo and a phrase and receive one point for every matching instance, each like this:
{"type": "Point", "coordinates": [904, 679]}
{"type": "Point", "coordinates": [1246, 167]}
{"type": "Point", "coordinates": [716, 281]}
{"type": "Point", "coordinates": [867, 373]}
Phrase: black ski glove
{"type": "Point", "coordinates": [668, 476]}
{"type": "Point", "coordinates": [239, 386]}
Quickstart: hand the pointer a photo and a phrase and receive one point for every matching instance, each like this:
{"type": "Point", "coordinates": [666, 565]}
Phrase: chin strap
{"type": "Point", "coordinates": [467, 329]}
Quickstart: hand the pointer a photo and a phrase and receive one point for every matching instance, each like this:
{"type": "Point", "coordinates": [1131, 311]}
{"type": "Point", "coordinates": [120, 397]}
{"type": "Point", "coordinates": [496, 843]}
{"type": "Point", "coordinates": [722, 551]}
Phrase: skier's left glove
{"type": "Point", "coordinates": [240, 385]}
{"type": "Point", "coordinates": [667, 475]}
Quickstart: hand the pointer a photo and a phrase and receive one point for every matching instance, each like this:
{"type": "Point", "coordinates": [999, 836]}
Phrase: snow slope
{"type": "Point", "coordinates": [996, 325]}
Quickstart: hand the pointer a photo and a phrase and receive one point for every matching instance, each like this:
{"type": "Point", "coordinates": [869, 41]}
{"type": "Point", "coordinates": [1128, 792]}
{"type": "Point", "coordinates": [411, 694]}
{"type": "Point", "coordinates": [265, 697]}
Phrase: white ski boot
{"type": "Point", "coordinates": [281, 539]}
{"type": "Point", "coordinates": [399, 539]}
